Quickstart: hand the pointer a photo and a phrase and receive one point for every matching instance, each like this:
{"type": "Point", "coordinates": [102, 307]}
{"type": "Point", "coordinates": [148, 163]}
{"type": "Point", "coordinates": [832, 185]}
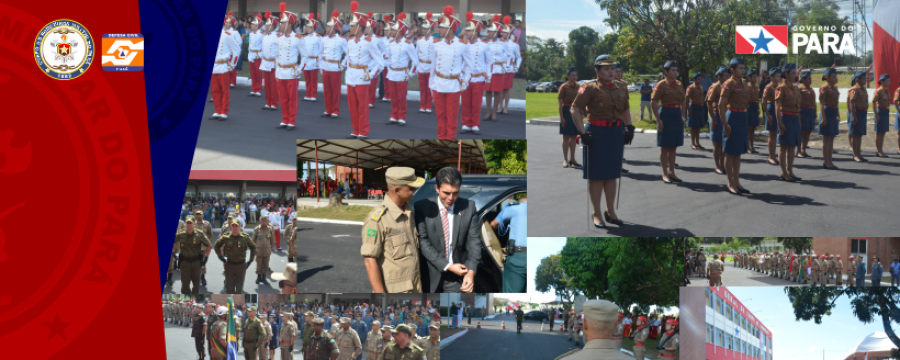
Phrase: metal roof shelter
{"type": "Point", "coordinates": [422, 155]}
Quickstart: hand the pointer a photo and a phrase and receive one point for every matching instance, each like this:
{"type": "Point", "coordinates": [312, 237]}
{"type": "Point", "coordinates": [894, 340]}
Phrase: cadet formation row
{"type": "Point", "coordinates": [261, 334]}
{"type": "Point", "coordinates": [601, 327]}
{"type": "Point", "coordinates": [455, 62]}
{"type": "Point", "coordinates": [731, 104]}
{"type": "Point", "coordinates": [809, 269]}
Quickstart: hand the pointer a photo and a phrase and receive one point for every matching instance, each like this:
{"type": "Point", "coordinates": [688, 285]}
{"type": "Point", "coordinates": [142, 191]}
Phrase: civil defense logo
{"type": "Point", "coordinates": [761, 39]}
{"type": "Point", "coordinates": [64, 49]}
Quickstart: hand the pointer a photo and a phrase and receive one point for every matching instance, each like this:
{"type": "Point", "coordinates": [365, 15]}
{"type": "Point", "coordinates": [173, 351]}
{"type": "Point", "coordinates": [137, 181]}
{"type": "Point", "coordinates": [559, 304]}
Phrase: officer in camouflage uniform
{"type": "Point", "coordinates": [389, 241]}
{"type": "Point", "coordinates": [191, 258]}
{"type": "Point", "coordinates": [233, 246]}
{"type": "Point", "coordinates": [321, 344]}
{"type": "Point", "coordinates": [347, 341]}
{"type": "Point", "coordinates": [264, 238]}
{"type": "Point", "coordinates": [374, 341]}
{"type": "Point", "coordinates": [206, 229]}
{"type": "Point", "coordinates": [287, 336]}
{"type": "Point", "coordinates": [402, 347]}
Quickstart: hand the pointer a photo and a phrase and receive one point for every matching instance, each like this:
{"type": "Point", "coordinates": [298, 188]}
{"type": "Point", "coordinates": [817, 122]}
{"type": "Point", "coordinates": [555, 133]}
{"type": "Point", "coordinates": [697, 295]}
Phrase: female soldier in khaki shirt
{"type": "Point", "coordinates": [693, 103]}
{"type": "Point", "coordinates": [566, 96]}
{"type": "Point", "coordinates": [787, 112]}
{"type": "Point", "coordinates": [753, 109]}
{"type": "Point", "coordinates": [829, 116]}
{"type": "Point", "coordinates": [768, 104]}
{"type": "Point", "coordinates": [857, 108]}
{"type": "Point", "coordinates": [807, 112]}
{"type": "Point", "coordinates": [668, 96]}
{"type": "Point", "coordinates": [881, 103]}
{"type": "Point", "coordinates": [716, 128]}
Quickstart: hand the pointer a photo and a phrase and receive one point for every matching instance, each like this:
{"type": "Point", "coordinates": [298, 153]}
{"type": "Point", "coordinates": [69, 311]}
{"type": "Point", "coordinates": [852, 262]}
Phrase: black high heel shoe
{"type": "Point", "coordinates": [610, 220]}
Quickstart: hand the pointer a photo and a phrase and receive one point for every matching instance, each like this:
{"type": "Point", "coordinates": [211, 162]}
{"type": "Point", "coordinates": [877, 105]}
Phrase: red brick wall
{"type": "Point", "coordinates": [884, 247]}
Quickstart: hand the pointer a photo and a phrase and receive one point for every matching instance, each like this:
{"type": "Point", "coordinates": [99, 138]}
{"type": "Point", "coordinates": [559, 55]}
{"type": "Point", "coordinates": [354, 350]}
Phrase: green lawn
{"type": "Point", "coordinates": [350, 212]}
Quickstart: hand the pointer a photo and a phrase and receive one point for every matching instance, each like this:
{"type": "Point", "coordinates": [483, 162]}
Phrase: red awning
{"type": "Point", "coordinates": [248, 175]}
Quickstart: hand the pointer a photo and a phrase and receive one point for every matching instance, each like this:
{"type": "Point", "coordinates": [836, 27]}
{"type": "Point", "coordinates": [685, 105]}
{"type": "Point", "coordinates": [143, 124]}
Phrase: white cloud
{"type": "Point", "coordinates": [814, 349]}
{"type": "Point", "coordinates": [596, 7]}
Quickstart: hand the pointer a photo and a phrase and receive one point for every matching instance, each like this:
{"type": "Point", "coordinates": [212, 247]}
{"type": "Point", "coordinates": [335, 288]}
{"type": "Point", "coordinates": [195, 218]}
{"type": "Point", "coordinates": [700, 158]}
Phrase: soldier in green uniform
{"type": "Point", "coordinates": [289, 235]}
{"type": "Point", "coordinates": [668, 345]}
{"type": "Point", "coordinates": [519, 315]}
{"type": "Point", "coordinates": [206, 229]}
{"type": "Point", "coordinates": [191, 258]}
{"type": "Point", "coordinates": [600, 317]}
{"type": "Point", "coordinates": [287, 336]}
{"type": "Point", "coordinates": [264, 238]}
{"type": "Point", "coordinates": [402, 347]}
{"type": "Point", "coordinates": [254, 334]}
{"type": "Point", "coordinates": [321, 345]}
{"type": "Point", "coordinates": [173, 260]}
{"type": "Point", "coordinates": [389, 243]}
{"type": "Point", "coordinates": [232, 250]}
{"type": "Point", "coordinates": [198, 332]}
{"type": "Point", "coordinates": [308, 328]}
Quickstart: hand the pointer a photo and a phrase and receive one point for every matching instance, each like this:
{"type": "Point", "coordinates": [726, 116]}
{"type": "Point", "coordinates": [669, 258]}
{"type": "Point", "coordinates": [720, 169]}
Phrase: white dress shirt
{"type": "Point", "coordinates": [512, 66]}
{"type": "Point", "coordinates": [499, 56]}
{"type": "Point", "coordinates": [450, 67]}
{"type": "Point", "coordinates": [402, 57]}
{"type": "Point", "coordinates": [481, 60]}
{"type": "Point", "coordinates": [333, 47]}
{"type": "Point", "coordinates": [423, 49]}
{"type": "Point", "coordinates": [269, 51]}
{"type": "Point", "coordinates": [312, 43]}
{"type": "Point", "coordinates": [364, 60]}
{"type": "Point", "coordinates": [289, 48]}
{"type": "Point", "coordinates": [255, 45]}
{"type": "Point", "coordinates": [449, 234]}
{"type": "Point", "coordinates": [227, 53]}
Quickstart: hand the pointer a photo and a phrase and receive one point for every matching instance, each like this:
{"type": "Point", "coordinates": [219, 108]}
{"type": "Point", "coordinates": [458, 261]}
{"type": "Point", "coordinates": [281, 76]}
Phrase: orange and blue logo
{"type": "Point", "coordinates": [123, 52]}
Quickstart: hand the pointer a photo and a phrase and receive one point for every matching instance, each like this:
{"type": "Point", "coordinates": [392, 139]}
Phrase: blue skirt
{"type": "Point", "coordinates": [753, 115]}
{"type": "Point", "coordinates": [737, 143]}
{"type": "Point", "coordinates": [570, 123]}
{"type": "Point", "coordinates": [885, 116]}
{"type": "Point", "coordinates": [717, 134]}
{"type": "Point", "coordinates": [831, 126]}
{"type": "Point", "coordinates": [672, 134]}
{"type": "Point", "coordinates": [791, 136]}
{"type": "Point", "coordinates": [773, 126]}
{"type": "Point", "coordinates": [603, 159]}
{"type": "Point", "coordinates": [860, 127]}
{"type": "Point", "coordinates": [807, 119]}
{"type": "Point", "coordinates": [897, 122]}
{"type": "Point", "coordinates": [698, 120]}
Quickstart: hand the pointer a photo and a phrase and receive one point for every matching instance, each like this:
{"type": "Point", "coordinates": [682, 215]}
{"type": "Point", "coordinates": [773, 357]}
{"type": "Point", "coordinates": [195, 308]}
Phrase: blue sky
{"type": "Point", "coordinates": [804, 340]}
{"type": "Point", "coordinates": [555, 19]}
{"type": "Point", "coordinates": [538, 248]}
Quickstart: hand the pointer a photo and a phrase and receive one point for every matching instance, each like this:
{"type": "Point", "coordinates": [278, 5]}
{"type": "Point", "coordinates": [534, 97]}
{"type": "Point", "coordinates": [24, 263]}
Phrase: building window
{"type": "Point", "coordinates": [728, 313]}
{"type": "Point", "coordinates": [709, 334]}
{"type": "Point", "coordinates": [729, 342]}
{"type": "Point", "coordinates": [708, 292]}
{"type": "Point", "coordinates": [719, 308]}
{"type": "Point", "coordinates": [719, 340]}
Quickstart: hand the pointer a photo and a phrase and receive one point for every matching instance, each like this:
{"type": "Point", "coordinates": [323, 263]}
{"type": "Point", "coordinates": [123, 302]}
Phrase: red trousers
{"type": "Point", "coordinates": [255, 76]}
{"type": "Point", "coordinates": [446, 106]}
{"type": "Point", "coordinates": [233, 79]}
{"type": "Point", "coordinates": [312, 82]}
{"type": "Point", "coordinates": [271, 88]}
{"type": "Point", "coordinates": [471, 104]}
{"type": "Point", "coordinates": [278, 238]}
{"type": "Point", "coordinates": [221, 94]}
{"type": "Point", "coordinates": [397, 91]}
{"type": "Point", "coordinates": [331, 82]}
{"type": "Point", "coordinates": [373, 86]}
{"type": "Point", "coordinates": [287, 93]}
{"type": "Point", "coordinates": [425, 97]}
{"type": "Point", "coordinates": [359, 108]}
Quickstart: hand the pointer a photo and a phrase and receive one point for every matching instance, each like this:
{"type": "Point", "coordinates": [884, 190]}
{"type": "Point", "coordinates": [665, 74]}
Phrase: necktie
{"type": "Point", "coordinates": [446, 233]}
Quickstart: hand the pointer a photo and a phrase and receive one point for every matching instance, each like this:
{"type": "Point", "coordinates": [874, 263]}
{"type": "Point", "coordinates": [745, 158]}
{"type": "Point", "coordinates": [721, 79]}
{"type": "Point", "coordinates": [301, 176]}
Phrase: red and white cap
{"type": "Point", "coordinates": [230, 18]}
{"type": "Point", "coordinates": [271, 20]}
{"type": "Point", "coordinates": [495, 24]}
{"type": "Point", "coordinates": [449, 21]}
{"type": "Point", "coordinates": [400, 25]}
{"type": "Point", "coordinates": [257, 19]}
{"type": "Point", "coordinates": [506, 26]}
{"type": "Point", "coordinates": [335, 19]}
{"type": "Point", "coordinates": [287, 16]}
{"type": "Point", "coordinates": [387, 21]}
{"type": "Point", "coordinates": [371, 23]}
{"type": "Point", "coordinates": [313, 22]}
{"type": "Point", "coordinates": [358, 18]}
{"type": "Point", "coordinates": [472, 24]}
{"type": "Point", "coordinates": [427, 22]}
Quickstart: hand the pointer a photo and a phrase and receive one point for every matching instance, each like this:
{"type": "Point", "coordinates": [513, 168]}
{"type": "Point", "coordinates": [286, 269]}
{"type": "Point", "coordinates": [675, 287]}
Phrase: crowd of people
{"type": "Point", "coordinates": [247, 211]}
{"type": "Point", "coordinates": [339, 330]}
{"type": "Point", "coordinates": [456, 63]}
{"type": "Point", "coordinates": [349, 189]}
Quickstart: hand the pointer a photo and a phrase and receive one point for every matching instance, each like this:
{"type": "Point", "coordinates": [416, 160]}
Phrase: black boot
{"type": "Point", "coordinates": [169, 279]}
{"type": "Point", "coordinates": [202, 279]}
{"type": "Point", "coordinates": [258, 279]}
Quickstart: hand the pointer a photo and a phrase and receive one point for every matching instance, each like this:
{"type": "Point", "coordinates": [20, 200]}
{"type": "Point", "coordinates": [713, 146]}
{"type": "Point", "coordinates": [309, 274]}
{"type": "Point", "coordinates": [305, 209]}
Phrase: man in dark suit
{"type": "Point", "coordinates": [449, 237]}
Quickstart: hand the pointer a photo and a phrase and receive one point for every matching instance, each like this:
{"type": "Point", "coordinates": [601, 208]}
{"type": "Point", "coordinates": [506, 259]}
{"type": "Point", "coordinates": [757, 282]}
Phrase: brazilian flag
{"type": "Point", "coordinates": [230, 352]}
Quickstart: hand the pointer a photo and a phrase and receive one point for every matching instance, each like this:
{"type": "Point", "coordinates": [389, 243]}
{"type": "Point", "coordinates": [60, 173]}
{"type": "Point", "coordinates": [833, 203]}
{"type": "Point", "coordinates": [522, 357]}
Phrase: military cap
{"type": "Point", "coordinates": [603, 60]}
{"type": "Point", "coordinates": [696, 75]}
{"type": "Point", "coordinates": [790, 66]}
{"type": "Point", "coordinates": [318, 321]}
{"type": "Point", "coordinates": [310, 313]}
{"type": "Point", "coordinates": [661, 75]}
{"type": "Point", "coordinates": [399, 175]}
{"type": "Point", "coordinates": [234, 222]}
{"type": "Point", "coordinates": [722, 70]}
{"type": "Point", "coordinates": [670, 64]}
{"type": "Point", "coordinates": [858, 75]}
{"type": "Point", "coordinates": [571, 69]}
{"type": "Point", "coordinates": [601, 310]}
{"type": "Point", "coordinates": [289, 274]}
{"type": "Point", "coordinates": [403, 328]}
{"type": "Point", "coordinates": [251, 308]}
{"type": "Point", "coordinates": [618, 65]}
{"type": "Point", "coordinates": [345, 320]}
{"type": "Point", "coordinates": [434, 326]}
{"type": "Point", "coordinates": [376, 322]}
{"type": "Point", "coordinates": [189, 219]}
{"type": "Point", "coordinates": [774, 70]}
{"type": "Point", "coordinates": [736, 61]}
{"type": "Point", "coordinates": [884, 77]}
{"type": "Point", "coordinates": [827, 72]}
{"type": "Point", "coordinates": [198, 212]}
{"type": "Point", "coordinates": [413, 326]}
{"type": "Point", "coordinates": [805, 73]}
{"type": "Point", "coordinates": [387, 328]}
{"type": "Point", "coordinates": [262, 316]}
{"type": "Point", "coordinates": [751, 72]}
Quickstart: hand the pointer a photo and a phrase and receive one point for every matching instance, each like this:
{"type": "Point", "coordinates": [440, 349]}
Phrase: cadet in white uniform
{"type": "Point", "coordinates": [287, 72]}
{"type": "Point", "coordinates": [331, 51]}
{"type": "Point", "coordinates": [363, 62]}
{"type": "Point", "coordinates": [499, 57]}
{"type": "Point", "coordinates": [424, 44]}
{"type": "Point", "coordinates": [481, 61]}
{"type": "Point", "coordinates": [255, 39]}
{"type": "Point", "coordinates": [227, 55]}
{"type": "Point", "coordinates": [312, 44]}
{"type": "Point", "coordinates": [449, 75]}
{"type": "Point", "coordinates": [512, 66]}
{"type": "Point", "coordinates": [402, 63]}
{"type": "Point", "coordinates": [269, 54]}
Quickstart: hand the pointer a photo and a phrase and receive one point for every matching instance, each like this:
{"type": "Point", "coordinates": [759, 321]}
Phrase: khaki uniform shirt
{"type": "Point", "coordinates": [807, 96]}
{"type": "Point", "coordinates": [715, 92]}
{"type": "Point", "coordinates": [600, 102]}
{"type": "Point", "coordinates": [181, 226]}
{"type": "Point", "coordinates": [642, 334]}
{"type": "Point", "coordinates": [596, 349]}
{"type": "Point", "coordinates": [671, 342]}
{"type": "Point", "coordinates": [859, 96]}
{"type": "Point", "coordinates": [348, 343]}
{"type": "Point", "coordinates": [735, 93]}
{"type": "Point", "coordinates": [206, 228]}
{"type": "Point", "coordinates": [432, 348]}
{"type": "Point", "coordinates": [288, 331]}
{"type": "Point", "coordinates": [839, 266]}
{"type": "Point", "coordinates": [220, 334]}
{"type": "Point", "coordinates": [618, 331]}
{"type": "Point", "coordinates": [668, 93]}
{"type": "Point", "coordinates": [882, 98]}
{"type": "Point", "coordinates": [828, 95]}
{"type": "Point", "coordinates": [753, 89]}
{"type": "Point", "coordinates": [695, 94]}
{"type": "Point", "coordinates": [234, 247]}
{"type": "Point", "coordinates": [321, 347]}
{"type": "Point", "coordinates": [392, 351]}
{"type": "Point", "coordinates": [567, 93]}
{"type": "Point", "coordinates": [789, 96]}
{"type": "Point", "coordinates": [268, 327]}
{"type": "Point", "coordinates": [190, 244]}
{"type": "Point", "coordinates": [264, 240]}
{"type": "Point", "coordinates": [289, 237]}
{"type": "Point", "coordinates": [769, 93]}
{"type": "Point", "coordinates": [389, 236]}
{"type": "Point", "coordinates": [374, 342]}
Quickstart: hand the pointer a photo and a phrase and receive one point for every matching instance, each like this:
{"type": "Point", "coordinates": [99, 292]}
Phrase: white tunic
{"type": "Point", "coordinates": [312, 44]}
{"type": "Point", "coordinates": [402, 60]}
{"type": "Point", "coordinates": [382, 42]}
{"type": "Point", "coordinates": [255, 46]}
{"type": "Point", "coordinates": [512, 66]}
{"type": "Point", "coordinates": [330, 52]}
{"type": "Point", "coordinates": [481, 60]}
{"type": "Point", "coordinates": [269, 51]}
{"type": "Point", "coordinates": [227, 53]}
{"type": "Point", "coordinates": [423, 50]}
{"type": "Point", "coordinates": [288, 53]}
{"type": "Point", "coordinates": [363, 61]}
{"type": "Point", "coordinates": [499, 57]}
{"type": "Point", "coordinates": [451, 65]}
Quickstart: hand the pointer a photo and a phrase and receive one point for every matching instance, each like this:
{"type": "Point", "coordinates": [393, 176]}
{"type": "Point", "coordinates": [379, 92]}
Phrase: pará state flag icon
{"type": "Point", "coordinates": [760, 39]}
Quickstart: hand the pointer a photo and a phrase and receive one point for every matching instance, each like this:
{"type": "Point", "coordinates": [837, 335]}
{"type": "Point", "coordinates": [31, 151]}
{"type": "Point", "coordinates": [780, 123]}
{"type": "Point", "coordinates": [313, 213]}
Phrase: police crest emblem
{"type": "Point", "coordinates": [64, 49]}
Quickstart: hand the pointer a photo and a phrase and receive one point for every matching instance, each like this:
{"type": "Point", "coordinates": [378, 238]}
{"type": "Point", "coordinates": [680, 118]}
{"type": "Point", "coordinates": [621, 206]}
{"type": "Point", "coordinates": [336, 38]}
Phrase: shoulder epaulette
{"type": "Point", "coordinates": [227, 33]}
{"type": "Point", "coordinates": [378, 212]}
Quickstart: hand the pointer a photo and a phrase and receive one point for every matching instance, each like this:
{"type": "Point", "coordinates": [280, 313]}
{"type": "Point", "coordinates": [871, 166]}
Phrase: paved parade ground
{"type": "Point", "coordinates": [329, 262]}
{"type": "Point", "coordinates": [859, 198]}
{"type": "Point", "coordinates": [249, 139]}
{"type": "Point", "coordinates": [736, 276]}
{"type": "Point", "coordinates": [180, 345]}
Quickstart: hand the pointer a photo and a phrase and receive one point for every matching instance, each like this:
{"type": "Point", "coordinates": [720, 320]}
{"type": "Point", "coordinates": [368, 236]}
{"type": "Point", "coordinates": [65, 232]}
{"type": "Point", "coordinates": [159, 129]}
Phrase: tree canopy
{"type": "Point", "coordinates": [506, 156]}
{"type": "Point", "coordinates": [869, 304]}
{"type": "Point", "coordinates": [550, 276]}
